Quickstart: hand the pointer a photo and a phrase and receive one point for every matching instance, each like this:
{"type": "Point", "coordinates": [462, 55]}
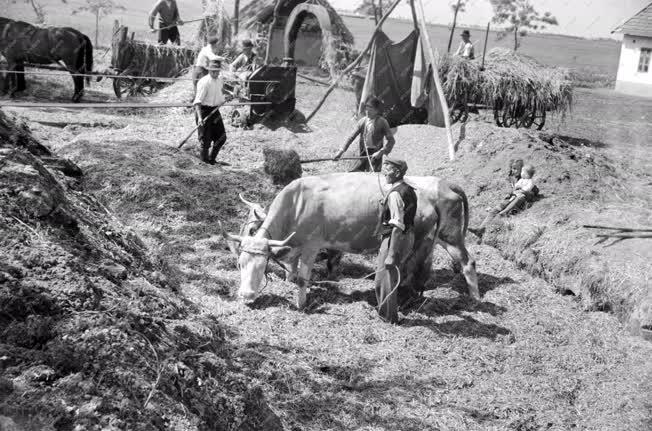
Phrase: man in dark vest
{"type": "Point", "coordinates": [396, 226]}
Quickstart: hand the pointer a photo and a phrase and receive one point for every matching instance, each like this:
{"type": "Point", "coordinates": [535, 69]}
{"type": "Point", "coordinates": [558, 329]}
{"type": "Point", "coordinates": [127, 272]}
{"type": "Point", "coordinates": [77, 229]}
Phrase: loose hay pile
{"type": "Point", "coordinates": [217, 22]}
{"type": "Point", "coordinates": [509, 79]}
{"type": "Point", "coordinates": [282, 165]}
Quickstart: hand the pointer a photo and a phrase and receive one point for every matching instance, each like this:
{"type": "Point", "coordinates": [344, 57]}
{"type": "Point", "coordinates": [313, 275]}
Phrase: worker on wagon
{"type": "Point", "coordinates": [245, 61]}
{"type": "Point", "coordinates": [396, 229]}
{"type": "Point", "coordinates": [524, 191]}
{"type": "Point", "coordinates": [208, 99]}
{"type": "Point", "coordinates": [466, 49]}
{"type": "Point", "coordinates": [168, 19]}
{"type": "Point", "coordinates": [206, 54]}
{"type": "Point", "coordinates": [373, 130]}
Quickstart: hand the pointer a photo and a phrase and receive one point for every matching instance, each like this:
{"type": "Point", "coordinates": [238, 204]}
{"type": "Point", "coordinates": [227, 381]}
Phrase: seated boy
{"type": "Point", "coordinates": [524, 191]}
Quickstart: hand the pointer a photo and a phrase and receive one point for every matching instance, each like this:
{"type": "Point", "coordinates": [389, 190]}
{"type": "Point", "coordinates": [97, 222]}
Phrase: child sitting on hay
{"type": "Point", "coordinates": [524, 191]}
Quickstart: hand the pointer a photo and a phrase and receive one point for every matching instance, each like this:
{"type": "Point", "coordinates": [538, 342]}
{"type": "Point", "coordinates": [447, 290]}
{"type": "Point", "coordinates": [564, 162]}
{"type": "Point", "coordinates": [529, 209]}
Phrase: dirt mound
{"type": "Point", "coordinates": [93, 333]}
{"type": "Point", "coordinates": [578, 186]}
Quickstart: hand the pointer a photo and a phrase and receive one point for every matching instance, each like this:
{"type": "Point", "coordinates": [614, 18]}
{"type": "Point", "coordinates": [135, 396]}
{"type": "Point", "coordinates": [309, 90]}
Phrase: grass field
{"type": "Point", "coordinates": [595, 60]}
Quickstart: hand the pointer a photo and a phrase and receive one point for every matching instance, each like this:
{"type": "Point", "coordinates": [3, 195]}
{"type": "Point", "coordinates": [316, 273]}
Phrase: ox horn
{"type": "Point", "coordinates": [275, 243]}
{"type": "Point", "coordinates": [246, 202]}
{"type": "Point", "coordinates": [228, 236]}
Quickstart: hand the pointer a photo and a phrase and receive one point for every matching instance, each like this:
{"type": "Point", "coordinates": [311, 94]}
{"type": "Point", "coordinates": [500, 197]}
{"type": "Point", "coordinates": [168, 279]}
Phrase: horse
{"type": "Point", "coordinates": [21, 43]}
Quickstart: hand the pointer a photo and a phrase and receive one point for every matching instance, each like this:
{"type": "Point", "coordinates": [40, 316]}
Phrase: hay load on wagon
{"type": "Point", "coordinates": [519, 89]}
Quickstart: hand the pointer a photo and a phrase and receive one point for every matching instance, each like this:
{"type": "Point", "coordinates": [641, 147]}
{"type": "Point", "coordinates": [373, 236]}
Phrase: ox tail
{"type": "Point", "coordinates": [87, 60]}
{"type": "Point", "coordinates": [465, 203]}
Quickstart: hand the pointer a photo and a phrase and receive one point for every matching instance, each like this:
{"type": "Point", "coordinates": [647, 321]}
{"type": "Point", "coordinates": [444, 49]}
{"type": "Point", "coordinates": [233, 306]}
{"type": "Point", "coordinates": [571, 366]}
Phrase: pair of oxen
{"type": "Point", "coordinates": [340, 212]}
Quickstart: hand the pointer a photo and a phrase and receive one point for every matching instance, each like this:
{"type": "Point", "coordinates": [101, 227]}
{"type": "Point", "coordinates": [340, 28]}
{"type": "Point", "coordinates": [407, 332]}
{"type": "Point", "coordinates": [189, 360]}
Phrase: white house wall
{"type": "Point", "coordinates": [629, 79]}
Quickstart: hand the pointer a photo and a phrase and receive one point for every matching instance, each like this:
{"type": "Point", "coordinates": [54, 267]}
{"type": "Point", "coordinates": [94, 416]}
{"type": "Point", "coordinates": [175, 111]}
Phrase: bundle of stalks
{"type": "Point", "coordinates": [509, 79]}
{"type": "Point", "coordinates": [144, 59]}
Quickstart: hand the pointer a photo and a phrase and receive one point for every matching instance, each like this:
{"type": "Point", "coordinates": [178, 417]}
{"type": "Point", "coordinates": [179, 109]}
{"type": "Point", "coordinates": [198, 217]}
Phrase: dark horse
{"type": "Point", "coordinates": [22, 43]}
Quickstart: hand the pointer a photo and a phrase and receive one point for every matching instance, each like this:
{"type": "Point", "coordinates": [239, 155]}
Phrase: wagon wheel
{"type": "Point", "coordinates": [539, 119]}
{"type": "Point", "coordinates": [459, 112]}
{"type": "Point", "coordinates": [525, 120]}
{"type": "Point", "coordinates": [507, 116]}
{"type": "Point", "coordinates": [498, 109]}
{"type": "Point", "coordinates": [132, 87]}
{"type": "Point", "coordinates": [122, 87]}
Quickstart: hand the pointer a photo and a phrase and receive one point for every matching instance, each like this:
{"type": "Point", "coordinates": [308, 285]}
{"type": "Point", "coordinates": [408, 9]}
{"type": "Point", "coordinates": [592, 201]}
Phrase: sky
{"type": "Point", "coordinates": [586, 18]}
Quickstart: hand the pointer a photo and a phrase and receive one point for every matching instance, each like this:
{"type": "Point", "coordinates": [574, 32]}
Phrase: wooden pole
{"type": "Point", "coordinates": [236, 18]}
{"type": "Point", "coordinates": [270, 33]}
{"type": "Point", "coordinates": [435, 74]}
{"type": "Point", "coordinates": [331, 160]}
{"type": "Point", "coordinates": [450, 39]}
{"type": "Point", "coordinates": [355, 62]}
{"type": "Point", "coordinates": [486, 39]}
{"type": "Point", "coordinates": [112, 105]}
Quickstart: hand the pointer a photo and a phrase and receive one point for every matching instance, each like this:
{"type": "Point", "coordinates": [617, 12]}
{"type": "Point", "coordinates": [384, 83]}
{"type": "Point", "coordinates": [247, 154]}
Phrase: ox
{"type": "Point", "coordinates": [340, 211]}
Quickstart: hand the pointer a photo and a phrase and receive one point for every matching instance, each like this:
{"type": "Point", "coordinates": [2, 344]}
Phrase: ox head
{"type": "Point", "coordinates": [255, 218]}
{"type": "Point", "coordinates": [254, 256]}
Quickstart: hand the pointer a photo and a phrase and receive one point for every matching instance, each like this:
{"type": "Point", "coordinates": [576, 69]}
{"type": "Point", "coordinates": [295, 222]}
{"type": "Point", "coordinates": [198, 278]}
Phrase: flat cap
{"type": "Point", "coordinates": [401, 164]}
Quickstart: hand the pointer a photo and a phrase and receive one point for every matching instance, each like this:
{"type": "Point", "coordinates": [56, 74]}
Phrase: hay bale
{"type": "Point", "coordinates": [282, 165]}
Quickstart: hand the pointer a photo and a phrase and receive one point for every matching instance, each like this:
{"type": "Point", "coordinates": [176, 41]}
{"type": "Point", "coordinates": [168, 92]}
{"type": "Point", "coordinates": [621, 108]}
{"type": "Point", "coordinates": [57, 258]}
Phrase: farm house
{"type": "Point", "coordinates": [635, 68]}
{"type": "Point", "coordinates": [311, 40]}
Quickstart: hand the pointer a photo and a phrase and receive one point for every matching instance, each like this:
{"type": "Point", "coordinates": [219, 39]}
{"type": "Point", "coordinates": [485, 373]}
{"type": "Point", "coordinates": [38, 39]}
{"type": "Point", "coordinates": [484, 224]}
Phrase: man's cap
{"type": "Point", "coordinates": [213, 39]}
{"type": "Point", "coordinates": [215, 64]}
{"type": "Point", "coordinates": [247, 43]}
{"type": "Point", "coordinates": [374, 102]}
{"type": "Point", "coordinates": [399, 163]}
{"type": "Point", "coordinates": [466, 33]}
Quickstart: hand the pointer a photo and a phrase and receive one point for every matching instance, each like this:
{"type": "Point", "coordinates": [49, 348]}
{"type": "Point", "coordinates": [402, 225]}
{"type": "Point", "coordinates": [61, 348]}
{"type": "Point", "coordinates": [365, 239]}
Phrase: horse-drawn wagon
{"type": "Point", "coordinates": [144, 67]}
{"type": "Point", "coordinates": [517, 89]}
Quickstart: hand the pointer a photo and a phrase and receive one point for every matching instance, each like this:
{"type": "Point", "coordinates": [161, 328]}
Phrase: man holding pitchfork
{"type": "Point", "coordinates": [208, 99]}
{"type": "Point", "coordinates": [168, 19]}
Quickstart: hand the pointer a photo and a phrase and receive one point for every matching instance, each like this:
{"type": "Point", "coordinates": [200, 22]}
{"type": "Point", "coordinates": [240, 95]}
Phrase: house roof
{"type": "Point", "coordinates": [262, 11]}
{"type": "Point", "coordinates": [638, 25]}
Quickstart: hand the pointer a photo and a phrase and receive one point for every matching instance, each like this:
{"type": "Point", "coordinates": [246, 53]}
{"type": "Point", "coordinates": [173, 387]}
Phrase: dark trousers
{"type": "Point", "coordinates": [362, 165]}
{"type": "Point", "coordinates": [171, 34]}
{"type": "Point", "coordinates": [398, 246]}
{"type": "Point", "coordinates": [211, 133]}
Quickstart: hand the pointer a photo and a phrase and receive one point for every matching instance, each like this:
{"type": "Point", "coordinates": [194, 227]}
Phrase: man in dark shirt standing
{"type": "Point", "coordinates": [168, 19]}
{"type": "Point", "coordinates": [399, 209]}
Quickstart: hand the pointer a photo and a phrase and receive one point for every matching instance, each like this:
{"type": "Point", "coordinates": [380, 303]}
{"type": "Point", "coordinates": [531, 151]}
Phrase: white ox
{"type": "Point", "coordinates": [340, 211]}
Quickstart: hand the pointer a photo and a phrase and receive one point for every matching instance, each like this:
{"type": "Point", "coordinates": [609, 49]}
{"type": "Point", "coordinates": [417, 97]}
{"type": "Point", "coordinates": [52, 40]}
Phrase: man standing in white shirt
{"type": "Point", "coordinates": [396, 224]}
{"type": "Point", "coordinates": [466, 49]}
{"type": "Point", "coordinates": [208, 99]}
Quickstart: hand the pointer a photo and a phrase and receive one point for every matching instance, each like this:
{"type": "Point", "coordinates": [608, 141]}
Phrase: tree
{"type": "Point", "coordinates": [457, 7]}
{"type": "Point", "coordinates": [368, 7]}
{"type": "Point", "coordinates": [520, 16]}
{"type": "Point", "coordinates": [99, 8]}
{"type": "Point", "coordinates": [37, 8]}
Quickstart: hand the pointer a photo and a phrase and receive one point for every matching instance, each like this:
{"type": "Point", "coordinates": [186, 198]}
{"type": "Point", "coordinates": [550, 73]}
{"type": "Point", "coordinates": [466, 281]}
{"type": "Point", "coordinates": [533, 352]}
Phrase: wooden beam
{"type": "Point", "coordinates": [435, 74]}
{"type": "Point", "coordinates": [355, 62]}
{"type": "Point", "coordinates": [111, 105]}
{"type": "Point", "coordinates": [486, 39]}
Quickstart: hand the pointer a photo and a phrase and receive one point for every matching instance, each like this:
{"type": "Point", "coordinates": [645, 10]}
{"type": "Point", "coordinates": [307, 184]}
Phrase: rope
{"type": "Point", "coordinates": [104, 75]}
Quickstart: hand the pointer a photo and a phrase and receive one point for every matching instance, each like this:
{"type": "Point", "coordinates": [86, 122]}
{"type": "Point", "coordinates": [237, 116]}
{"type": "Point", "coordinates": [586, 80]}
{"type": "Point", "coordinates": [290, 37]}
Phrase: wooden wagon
{"type": "Point", "coordinates": [132, 59]}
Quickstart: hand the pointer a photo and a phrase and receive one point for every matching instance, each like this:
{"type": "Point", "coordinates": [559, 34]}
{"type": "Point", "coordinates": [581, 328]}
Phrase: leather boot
{"type": "Point", "coordinates": [204, 153]}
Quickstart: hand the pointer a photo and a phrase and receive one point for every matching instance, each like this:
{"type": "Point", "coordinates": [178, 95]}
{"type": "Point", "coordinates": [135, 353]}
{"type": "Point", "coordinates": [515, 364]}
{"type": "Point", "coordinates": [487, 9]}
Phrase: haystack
{"type": "Point", "coordinates": [257, 15]}
{"type": "Point", "coordinates": [217, 22]}
{"type": "Point", "coordinates": [509, 79]}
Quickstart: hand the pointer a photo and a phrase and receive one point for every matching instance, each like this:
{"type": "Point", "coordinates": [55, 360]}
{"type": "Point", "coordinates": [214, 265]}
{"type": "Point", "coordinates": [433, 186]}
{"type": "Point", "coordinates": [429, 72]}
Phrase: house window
{"type": "Point", "coordinates": [644, 61]}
